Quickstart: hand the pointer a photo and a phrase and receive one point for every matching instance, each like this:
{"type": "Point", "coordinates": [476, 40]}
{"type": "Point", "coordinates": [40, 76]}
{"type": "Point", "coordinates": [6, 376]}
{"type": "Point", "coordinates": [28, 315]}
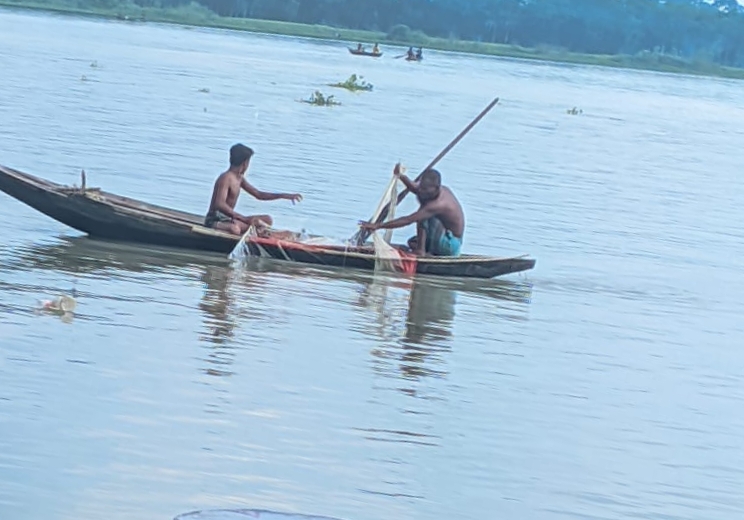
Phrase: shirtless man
{"type": "Point", "coordinates": [440, 221]}
{"type": "Point", "coordinates": [221, 214]}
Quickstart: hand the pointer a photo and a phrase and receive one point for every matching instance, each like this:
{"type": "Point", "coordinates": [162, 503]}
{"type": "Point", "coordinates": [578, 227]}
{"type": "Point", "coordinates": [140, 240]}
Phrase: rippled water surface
{"type": "Point", "coordinates": [606, 383]}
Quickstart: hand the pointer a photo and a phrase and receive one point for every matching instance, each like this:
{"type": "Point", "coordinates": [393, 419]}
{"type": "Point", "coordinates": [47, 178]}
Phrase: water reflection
{"type": "Point", "coordinates": [82, 255]}
{"type": "Point", "coordinates": [228, 301]}
{"type": "Point", "coordinates": [431, 312]}
{"type": "Point", "coordinates": [413, 319]}
{"type": "Point", "coordinates": [219, 319]}
{"type": "Point", "coordinates": [83, 261]}
{"type": "Point", "coordinates": [215, 303]}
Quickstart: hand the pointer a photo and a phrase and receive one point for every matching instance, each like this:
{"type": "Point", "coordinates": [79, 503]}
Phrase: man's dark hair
{"type": "Point", "coordinates": [431, 176]}
{"type": "Point", "coordinates": [239, 153]}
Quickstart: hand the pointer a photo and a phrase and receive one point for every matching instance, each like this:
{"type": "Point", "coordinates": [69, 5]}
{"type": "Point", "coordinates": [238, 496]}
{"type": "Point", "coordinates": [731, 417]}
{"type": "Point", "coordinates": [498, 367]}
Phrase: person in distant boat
{"type": "Point", "coordinates": [419, 53]}
{"type": "Point", "coordinates": [222, 214]}
{"type": "Point", "coordinates": [411, 56]}
{"type": "Point", "coordinates": [359, 47]}
{"type": "Point", "coordinates": [440, 221]}
{"type": "Point", "coordinates": [376, 49]}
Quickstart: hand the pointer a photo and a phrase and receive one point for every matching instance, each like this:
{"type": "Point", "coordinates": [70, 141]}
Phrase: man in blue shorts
{"type": "Point", "coordinates": [440, 221]}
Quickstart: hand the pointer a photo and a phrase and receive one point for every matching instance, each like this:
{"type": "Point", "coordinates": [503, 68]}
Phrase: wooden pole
{"type": "Point", "coordinates": [361, 236]}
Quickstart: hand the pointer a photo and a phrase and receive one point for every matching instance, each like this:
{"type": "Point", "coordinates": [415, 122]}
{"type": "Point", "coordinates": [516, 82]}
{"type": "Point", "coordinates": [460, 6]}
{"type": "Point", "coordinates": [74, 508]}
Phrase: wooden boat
{"type": "Point", "coordinates": [357, 52]}
{"type": "Point", "coordinates": [112, 217]}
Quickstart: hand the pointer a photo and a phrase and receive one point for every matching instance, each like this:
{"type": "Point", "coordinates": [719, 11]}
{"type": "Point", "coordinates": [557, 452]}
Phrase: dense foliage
{"type": "Point", "coordinates": [695, 29]}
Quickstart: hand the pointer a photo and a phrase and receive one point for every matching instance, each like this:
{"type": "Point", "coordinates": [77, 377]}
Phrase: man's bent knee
{"type": "Point", "coordinates": [266, 219]}
{"type": "Point", "coordinates": [230, 227]}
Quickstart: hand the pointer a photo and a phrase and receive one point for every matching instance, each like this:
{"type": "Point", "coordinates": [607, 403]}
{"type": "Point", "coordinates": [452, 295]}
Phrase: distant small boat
{"type": "Point", "coordinates": [357, 52]}
{"type": "Point", "coordinates": [414, 58]}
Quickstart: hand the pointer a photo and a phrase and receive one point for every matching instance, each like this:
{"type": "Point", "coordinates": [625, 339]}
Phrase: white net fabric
{"type": "Point", "coordinates": [240, 253]}
{"type": "Point", "coordinates": [387, 258]}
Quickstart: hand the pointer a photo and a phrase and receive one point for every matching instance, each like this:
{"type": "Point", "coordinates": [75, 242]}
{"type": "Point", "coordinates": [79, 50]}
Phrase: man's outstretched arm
{"type": "Point", "coordinates": [422, 214]}
{"type": "Point", "coordinates": [264, 195]}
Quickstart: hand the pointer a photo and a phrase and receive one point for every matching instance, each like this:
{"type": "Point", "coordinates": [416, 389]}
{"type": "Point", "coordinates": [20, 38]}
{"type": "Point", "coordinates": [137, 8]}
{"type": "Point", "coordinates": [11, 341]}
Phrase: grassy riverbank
{"type": "Point", "coordinates": [199, 16]}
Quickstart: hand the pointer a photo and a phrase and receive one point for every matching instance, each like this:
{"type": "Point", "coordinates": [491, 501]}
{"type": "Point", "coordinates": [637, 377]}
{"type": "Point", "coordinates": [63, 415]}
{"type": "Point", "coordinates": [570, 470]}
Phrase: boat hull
{"type": "Point", "coordinates": [465, 266]}
{"type": "Point", "coordinates": [112, 217]}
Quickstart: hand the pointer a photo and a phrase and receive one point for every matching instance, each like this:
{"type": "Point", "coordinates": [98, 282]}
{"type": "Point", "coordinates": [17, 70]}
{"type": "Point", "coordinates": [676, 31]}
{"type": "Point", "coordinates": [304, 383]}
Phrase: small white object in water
{"type": "Point", "coordinates": [64, 304]}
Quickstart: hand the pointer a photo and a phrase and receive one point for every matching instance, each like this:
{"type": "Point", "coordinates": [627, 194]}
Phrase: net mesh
{"type": "Point", "coordinates": [387, 257]}
{"type": "Point", "coordinates": [241, 252]}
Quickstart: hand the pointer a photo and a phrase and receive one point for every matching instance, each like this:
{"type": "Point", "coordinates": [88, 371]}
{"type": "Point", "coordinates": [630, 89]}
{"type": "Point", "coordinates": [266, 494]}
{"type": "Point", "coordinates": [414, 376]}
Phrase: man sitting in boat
{"type": "Point", "coordinates": [360, 48]}
{"type": "Point", "coordinates": [419, 53]}
{"type": "Point", "coordinates": [221, 214]}
{"type": "Point", "coordinates": [376, 49]}
{"type": "Point", "coordinates": [440, 221]}
{"type": "Point", "coordinates": [411, 56]}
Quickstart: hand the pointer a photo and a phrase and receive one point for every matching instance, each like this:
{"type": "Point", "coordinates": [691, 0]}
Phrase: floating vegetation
{"type": "Point", "coordinates": [204, 90]}
{"type": "Point", "coordinates": [574, 111]}
{"type": "Point", "coordinates": [354, 84]}
{"type": "Point", "coordinates": [319, 99]}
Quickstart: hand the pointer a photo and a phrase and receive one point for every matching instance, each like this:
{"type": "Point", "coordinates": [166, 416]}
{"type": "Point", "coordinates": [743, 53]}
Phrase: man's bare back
{"type": "Point", "coordinates": [448, 210]}
{"type": "Point", "coordinates": [227, 187]}
{"type": "Point", "coordinates": [226, 181]}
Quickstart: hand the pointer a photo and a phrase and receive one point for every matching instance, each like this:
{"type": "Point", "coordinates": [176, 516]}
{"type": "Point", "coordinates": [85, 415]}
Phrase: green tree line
{"type": "Point", "coordinates": [708, 31]}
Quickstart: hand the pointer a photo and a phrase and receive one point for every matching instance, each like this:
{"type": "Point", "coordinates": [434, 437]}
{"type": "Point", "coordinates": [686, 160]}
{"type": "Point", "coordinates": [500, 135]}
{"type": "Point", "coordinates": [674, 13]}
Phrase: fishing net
{"type": "Point", "coordinates": [241, 252]}
{"type": "Point", "coordinates": [387, 257]}
{"type": "Point", "coordinates": [247, 247]}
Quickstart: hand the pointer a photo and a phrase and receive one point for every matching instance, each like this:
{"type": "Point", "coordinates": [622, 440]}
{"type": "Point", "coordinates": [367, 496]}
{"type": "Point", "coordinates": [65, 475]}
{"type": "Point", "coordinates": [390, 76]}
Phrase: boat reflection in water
{"type": "Point", "coordinates": [411, 318]}
{"type": "Point", "coordinates": [218, 308]}
{"type": "Point", "coordinates": [415, 319]}
{"type": "Point", "coordinates": [81, 257]}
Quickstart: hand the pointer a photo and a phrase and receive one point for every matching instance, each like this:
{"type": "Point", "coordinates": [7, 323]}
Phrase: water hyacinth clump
{"type": "Point", "coordinates": [319, 99]}
{"type": "Point", "coordinates": [354, 84]}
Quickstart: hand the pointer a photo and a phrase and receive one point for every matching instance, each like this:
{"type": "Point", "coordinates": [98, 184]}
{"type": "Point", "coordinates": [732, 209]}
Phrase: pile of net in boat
{"type": "Point", "coordinates": [242, 250]}
{"type": "Point", "coordinates": [387, 257]}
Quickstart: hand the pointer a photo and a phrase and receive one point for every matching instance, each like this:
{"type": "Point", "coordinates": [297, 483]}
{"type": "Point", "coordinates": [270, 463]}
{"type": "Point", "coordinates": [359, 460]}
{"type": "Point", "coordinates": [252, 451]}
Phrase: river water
{"type": "Point", "coordinates": [606, 383]}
